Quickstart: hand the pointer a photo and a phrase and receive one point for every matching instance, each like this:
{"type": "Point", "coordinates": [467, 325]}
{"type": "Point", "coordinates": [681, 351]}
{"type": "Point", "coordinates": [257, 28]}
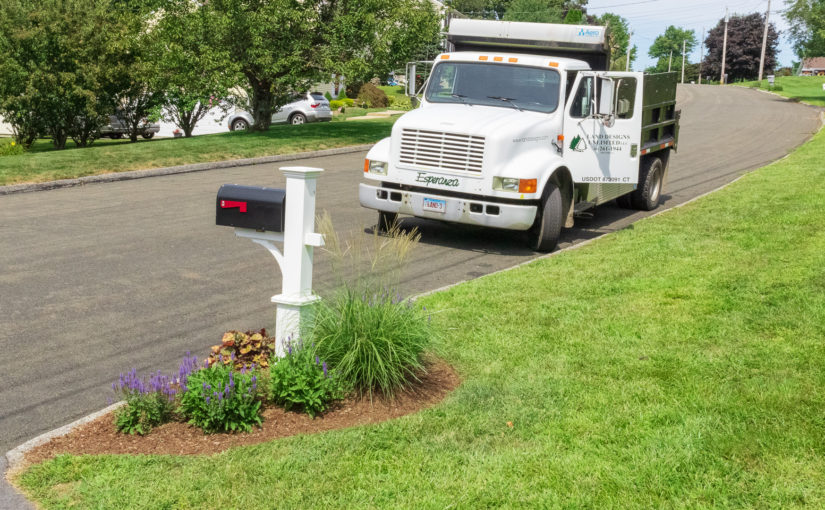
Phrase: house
{"type": "Point", "coordinates": [813, 67]}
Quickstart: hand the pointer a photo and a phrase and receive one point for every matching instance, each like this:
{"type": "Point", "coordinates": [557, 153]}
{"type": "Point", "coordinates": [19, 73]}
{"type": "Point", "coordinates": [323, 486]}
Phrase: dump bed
{"type": "Point", "coordinates": [660, 118]}
{"type": "Point", "coordinates": [581, 42]}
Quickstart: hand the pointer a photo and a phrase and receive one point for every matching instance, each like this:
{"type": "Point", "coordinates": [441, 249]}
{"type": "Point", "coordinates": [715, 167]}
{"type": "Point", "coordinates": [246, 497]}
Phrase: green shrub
{"type": "Point", "coordinates": [149, 403]}
{"type": "Point", "coordinates": [335, 104]}
{"type": "Point", "coordinates": [220, 400]}
{"type": "Point", "coordinates": [343, 93]}
{"type": "Point", "coordinates": [374, 342]}
{"type": "Point", "coordinates": [328, 96]}
{"type": "Point", "coordinates": [301, 380]}
{"type": "Point", "coordinates": [11, 148]}
{"type": "Point", "coordinates": [372, 96]}
{"type": "Point", "coordinates": [777, 88]}
{"type": "Point", "coordinates": [349, 102]}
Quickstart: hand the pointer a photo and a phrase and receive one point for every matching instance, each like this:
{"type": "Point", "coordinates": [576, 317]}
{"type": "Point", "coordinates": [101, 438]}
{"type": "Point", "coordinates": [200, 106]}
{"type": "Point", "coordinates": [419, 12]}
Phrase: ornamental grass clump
{"type": "Point", "coordinates": [373, 339]}
{"type": "Point", "coordinates": [217, 399]}
{"type": "Point", "coordinates": [376, 343]}
{"type": "Point", "coordinates": [150, 401]}
{"type": "Point", "coordinates": [301, 380]}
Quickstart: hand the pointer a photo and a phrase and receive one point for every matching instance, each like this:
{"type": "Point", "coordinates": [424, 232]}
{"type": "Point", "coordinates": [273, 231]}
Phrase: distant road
{"type": "Point", "coordinates": [98, 279]}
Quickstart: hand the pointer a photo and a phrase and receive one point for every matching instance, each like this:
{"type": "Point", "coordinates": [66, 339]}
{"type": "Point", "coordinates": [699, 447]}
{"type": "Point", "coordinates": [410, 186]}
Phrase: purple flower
{"type": "Point", "coordinates": [207, 399]}
{"type": "Point", "coordinates": [324, 366]}
{"type": "Point", "coordinates": [317, 361]}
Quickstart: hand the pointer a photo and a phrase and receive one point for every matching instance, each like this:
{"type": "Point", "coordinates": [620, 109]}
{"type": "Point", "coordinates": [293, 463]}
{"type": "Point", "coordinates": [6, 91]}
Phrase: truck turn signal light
{"type": "Point", "coordinates": [366, 166]}
{"type": "Point", "coordinates": [527, 185]}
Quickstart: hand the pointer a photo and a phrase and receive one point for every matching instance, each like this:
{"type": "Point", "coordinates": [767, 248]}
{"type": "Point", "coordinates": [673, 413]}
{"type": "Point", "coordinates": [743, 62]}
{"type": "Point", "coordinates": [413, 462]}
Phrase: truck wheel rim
{"type": "Point", "coordinates": [657, 186]}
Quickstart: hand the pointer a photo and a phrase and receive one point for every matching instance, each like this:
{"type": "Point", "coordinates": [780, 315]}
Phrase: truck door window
{"type": "Point", "coordinates": [582, 103]}
{"type": "Point", "coordinates": [626, 97]}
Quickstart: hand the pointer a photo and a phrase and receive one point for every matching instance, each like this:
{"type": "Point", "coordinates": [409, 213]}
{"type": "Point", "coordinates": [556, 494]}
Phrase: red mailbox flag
{"type": "Point", "coordinates": [229, 204]}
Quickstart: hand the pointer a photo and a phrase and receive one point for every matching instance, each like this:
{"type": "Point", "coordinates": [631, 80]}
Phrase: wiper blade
{"type": "Point", "coordinates": [508, 100]}
{"type": "Point", "coordinates": [462, 98]}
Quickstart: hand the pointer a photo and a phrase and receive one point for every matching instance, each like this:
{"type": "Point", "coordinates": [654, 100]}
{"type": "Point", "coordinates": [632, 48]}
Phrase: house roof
{"type": "Point", "coordinates": [814, 63]}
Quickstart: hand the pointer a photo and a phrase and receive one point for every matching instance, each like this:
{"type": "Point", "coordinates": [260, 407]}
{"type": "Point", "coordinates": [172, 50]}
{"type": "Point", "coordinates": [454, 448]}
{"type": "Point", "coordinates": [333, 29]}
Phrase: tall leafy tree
{"type": "Point", "coordinates": [669, 46]}
{"type": "Point", "coordinates": [618, 40]}
{"type": "Point", "coordinates": [744, 48]}
{"type": "Point", "coordinates": [191, 71]}
{"type": "Point", "coordinates": [480, 9]}
{"type": "Point", "coordinates": [547, 11]}
{"type": "Point", "coordinates": [807, 27]}
{"type": "Point", "coordinates": [55, 75]}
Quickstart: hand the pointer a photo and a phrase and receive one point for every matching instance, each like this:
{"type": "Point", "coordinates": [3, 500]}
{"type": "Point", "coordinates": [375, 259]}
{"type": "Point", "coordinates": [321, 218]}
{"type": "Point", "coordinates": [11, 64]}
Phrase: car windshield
{"type": "Point", "coordinates": [504, 85]}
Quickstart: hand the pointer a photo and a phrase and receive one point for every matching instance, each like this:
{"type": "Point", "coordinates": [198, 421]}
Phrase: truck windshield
{"type": "Point", "coordinates": [503, 85]}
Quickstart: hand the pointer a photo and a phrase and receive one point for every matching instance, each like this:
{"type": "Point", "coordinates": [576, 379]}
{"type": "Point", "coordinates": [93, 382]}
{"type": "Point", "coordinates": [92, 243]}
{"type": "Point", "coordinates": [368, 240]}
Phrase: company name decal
{"type": "Point", "coordinates": [587, 32]}
{"type": "Point", "coordinates": [433, 179]}
{"type": "Point", "coordinates": [531, 139]}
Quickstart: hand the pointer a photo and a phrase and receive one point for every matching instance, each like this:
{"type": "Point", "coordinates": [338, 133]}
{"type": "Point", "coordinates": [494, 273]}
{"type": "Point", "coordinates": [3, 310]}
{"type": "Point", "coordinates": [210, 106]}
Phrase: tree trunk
{"type": "Point", "coordinates": [59, 137]}
{"type": "Point", "coordinates": [261, 103]}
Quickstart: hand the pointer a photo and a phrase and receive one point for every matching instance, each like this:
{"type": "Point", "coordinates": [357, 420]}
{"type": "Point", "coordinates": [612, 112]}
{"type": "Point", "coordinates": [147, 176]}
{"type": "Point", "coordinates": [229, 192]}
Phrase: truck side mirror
{"type": "Point", "coordinates": [606, 99]}
{"type": "Point", "coordinates": [411, 79]}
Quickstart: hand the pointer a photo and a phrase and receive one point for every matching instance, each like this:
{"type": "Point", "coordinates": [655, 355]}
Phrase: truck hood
{"type": "Point", "coordinates": [475, 120]}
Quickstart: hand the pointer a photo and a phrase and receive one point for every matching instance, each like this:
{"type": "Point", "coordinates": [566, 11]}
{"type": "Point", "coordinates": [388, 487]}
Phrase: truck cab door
{"type": "Point", "coordinates": [603, 127]}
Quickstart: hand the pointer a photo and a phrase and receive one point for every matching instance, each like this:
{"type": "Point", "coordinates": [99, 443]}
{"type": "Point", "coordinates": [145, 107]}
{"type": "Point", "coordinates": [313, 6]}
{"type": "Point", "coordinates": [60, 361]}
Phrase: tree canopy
{"type": "Point", "coordinates": [669, 45]}
{"type": "Point", "coordinates": [744, 48]}
{"type": "Point", "coordinates": [618, 32]}
{"type": "Point", "coordinates": [807, 22]}
{"type": "Point", "coordinates": [546, 11]}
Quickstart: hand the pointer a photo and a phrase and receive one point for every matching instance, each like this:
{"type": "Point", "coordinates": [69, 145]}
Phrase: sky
{"type": "Point", "coordinates": [649, 19]}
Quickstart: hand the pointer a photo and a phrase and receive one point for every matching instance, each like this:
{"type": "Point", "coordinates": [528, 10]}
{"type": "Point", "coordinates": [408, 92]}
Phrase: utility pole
{"type": "Point", "coordinates": [764, 41]}
{"type": "Point", "coordinates": [627, 66]}
{"type": "Point", "coordinates": [683, 61]}
{"type": "Point", "coordinates": [724, 47]}
{"type": "Point", "coordinates": [669, 60]}
{"type": "Point", "coordinates": [701, 54]}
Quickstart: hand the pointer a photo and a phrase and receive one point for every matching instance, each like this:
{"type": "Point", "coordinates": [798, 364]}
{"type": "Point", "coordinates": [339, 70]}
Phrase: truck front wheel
{"type": "Point", "coordinates": [545, 232]}
{"type": "Point", "coordinates": [651, 176]}
{"type": "Point", "coordinates": [386, 221]}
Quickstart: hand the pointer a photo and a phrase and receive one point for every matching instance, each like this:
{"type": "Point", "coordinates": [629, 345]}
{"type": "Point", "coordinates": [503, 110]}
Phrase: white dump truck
{"type": "Point", "coordinates": [522, 127]}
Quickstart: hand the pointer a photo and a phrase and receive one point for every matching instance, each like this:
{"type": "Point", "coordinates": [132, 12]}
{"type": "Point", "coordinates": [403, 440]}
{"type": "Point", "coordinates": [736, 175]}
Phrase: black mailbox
{"type": "Point", "coordinates": [251, 207]}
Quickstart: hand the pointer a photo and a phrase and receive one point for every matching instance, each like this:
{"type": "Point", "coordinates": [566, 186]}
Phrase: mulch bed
{"type": "Point", "coordinates": [101, 437]}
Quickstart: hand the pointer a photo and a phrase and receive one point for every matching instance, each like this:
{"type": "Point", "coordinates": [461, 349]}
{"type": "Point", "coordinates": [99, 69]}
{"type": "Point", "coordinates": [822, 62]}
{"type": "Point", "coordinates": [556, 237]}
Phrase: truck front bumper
{"type": "Point", "coordinates": [458, 210]}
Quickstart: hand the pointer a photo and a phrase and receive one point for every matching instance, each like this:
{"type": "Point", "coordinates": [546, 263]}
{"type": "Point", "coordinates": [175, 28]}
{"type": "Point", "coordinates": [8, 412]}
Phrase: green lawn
{"type": "Point", "coordinates": [106, 156]}
{"type": "Point", "coordinates": [807, 89]}
{"type": "Point", "coordinates": [676, 363]}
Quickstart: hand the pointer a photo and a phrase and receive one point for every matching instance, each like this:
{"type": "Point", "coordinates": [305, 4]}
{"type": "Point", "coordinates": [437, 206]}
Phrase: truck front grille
{"type": "Point", "coordinates": [442, 151]}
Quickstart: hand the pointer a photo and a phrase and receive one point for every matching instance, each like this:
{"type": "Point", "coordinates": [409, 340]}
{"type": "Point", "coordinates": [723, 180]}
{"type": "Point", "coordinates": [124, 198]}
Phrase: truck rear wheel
{"type": "Point", "coordinates": [545, 232]}
{"type": "Point", "coordinates": [386, 220]}
{"type": "Point", "coordinates": [651, 176]}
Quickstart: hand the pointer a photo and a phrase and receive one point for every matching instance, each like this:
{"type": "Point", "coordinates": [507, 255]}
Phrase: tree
{"type": "Point", "coordinates": [744, 48]}
{"type": "Point", "coordinates": [547, 11]}
{"type": "Point", "coordinates": [618, 39]}
{"type": "Point", "coordinates": [395, 32]}
{"type": "Point", "coordinates": [669, 46]}
{"type": "Point", "coordinates": [54, 70]}
{"type": "Point", "coordinates": [192, 72]}
{"type": "Point", "coordinates": [807, 32]}
{"type": "Point", "coordinates": [480, 9]}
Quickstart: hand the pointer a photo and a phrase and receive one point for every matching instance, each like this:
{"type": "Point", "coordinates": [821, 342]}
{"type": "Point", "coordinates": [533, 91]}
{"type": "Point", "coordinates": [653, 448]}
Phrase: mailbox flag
{"type": "Point", "coordinates": [230, 204]}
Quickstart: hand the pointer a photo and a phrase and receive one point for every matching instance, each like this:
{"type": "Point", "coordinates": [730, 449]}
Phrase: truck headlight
{"type": "Point", "coordinates": [514, 185]}
{"type": "Point", "coordinates": [375, 167]}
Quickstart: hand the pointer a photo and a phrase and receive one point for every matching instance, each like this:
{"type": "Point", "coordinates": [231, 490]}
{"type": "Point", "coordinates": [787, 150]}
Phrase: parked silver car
{"type": "Point", "coordinates": [308, 107]}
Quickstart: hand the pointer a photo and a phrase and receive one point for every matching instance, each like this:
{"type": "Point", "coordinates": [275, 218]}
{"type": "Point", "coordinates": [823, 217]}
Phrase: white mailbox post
{"type": "Point", "coordinates": [299, 239]}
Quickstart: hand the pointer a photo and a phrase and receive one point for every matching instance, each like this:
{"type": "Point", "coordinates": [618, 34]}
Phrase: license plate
{"type": "Point", "coordinates": [435, 205]}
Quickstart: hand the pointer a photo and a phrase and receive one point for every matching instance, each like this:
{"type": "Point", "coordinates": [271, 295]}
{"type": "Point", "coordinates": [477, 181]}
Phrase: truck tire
{"type": "Point", "coordinates": [545, 232]}
{"type": "Point", "coordinates": [386, 220]}
{"type": "Point", "coordinates": [147, 135]}
{"type": "Point", "coordinates": [651, 175]}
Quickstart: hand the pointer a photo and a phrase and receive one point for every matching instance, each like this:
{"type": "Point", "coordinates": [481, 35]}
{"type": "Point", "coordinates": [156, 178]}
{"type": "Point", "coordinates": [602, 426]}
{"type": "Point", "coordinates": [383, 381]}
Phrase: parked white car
{"type": "Point", "coordinates": [307, 107]}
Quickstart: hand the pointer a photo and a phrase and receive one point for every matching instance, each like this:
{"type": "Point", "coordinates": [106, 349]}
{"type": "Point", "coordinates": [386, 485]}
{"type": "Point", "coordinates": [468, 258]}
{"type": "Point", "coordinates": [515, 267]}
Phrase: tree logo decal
{"type": "Point", "coordinates": [578, 144]}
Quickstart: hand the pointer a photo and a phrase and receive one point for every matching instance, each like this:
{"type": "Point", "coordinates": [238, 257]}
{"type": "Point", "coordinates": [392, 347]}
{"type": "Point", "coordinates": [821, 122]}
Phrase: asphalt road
{"type": "Point", "coordinates": [98, 279]}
